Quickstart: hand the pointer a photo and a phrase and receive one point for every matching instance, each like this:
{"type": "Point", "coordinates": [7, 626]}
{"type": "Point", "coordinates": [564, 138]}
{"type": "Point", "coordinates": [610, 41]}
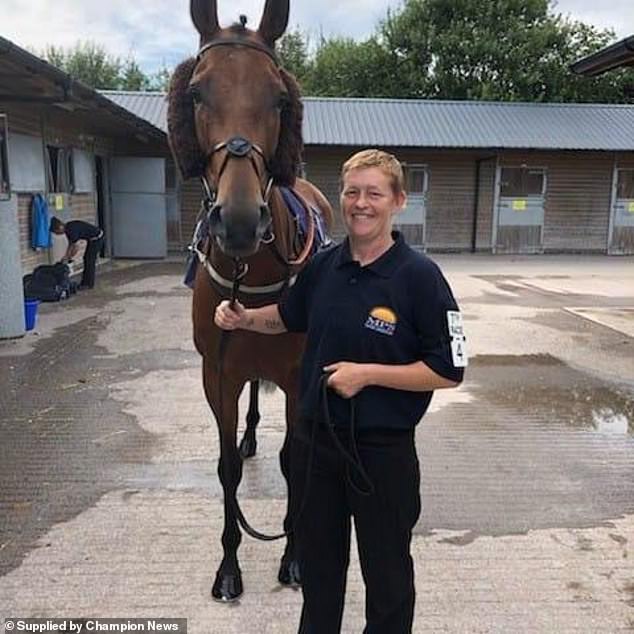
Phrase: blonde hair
{"type": "Point", "coordinates": [386, 162]}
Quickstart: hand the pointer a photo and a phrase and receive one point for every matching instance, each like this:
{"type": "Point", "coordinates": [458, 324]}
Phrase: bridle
{"type": "Point", "coordinates": [238, 147]}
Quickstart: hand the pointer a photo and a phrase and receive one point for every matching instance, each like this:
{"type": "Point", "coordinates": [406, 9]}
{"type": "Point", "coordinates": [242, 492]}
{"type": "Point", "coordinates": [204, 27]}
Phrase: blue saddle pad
{"type": "Point", "coordinates": [300, 212]}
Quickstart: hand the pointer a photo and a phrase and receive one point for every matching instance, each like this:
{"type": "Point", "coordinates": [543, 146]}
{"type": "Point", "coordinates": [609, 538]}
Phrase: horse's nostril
{"type": "Point", "coordinates": [214, 218]}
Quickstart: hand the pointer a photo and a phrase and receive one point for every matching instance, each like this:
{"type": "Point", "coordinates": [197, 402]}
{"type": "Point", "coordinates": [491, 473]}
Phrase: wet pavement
{"type": "Point", "coordinates": [110, 504]}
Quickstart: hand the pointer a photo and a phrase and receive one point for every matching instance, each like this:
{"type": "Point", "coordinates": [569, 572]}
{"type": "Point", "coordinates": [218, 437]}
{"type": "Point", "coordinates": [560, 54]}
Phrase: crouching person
{"type": "Point", "coordinates": [76, 230]}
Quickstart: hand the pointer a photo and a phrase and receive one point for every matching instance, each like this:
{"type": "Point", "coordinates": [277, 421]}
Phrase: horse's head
{"type": "Point", "coordinates": [235, 119]}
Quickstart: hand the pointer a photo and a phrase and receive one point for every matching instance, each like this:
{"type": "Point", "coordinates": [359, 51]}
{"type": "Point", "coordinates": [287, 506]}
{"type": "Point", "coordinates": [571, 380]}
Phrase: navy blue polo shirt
{"type": "Point", "coordinates": [391, 311]}
{"type": "Point", "coordinates": [79, 230]}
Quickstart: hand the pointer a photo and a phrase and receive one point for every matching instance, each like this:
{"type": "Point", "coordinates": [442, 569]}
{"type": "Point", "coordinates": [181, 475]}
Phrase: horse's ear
{"type": "Point", "coordinates": [181, 126]}
{"type": "Point", "coordinates": [205, 18]}
{"type": "Point", "coordinates": [274, 20]}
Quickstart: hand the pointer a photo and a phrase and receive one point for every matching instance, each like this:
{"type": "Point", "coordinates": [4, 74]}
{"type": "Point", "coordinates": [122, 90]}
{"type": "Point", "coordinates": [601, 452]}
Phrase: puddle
{"type": "Point", "coordinates": [606, 421]}
{"type": "Point", "coordinates": [541, 385]}
{"type": "Point", "coordinates": [539, 445]}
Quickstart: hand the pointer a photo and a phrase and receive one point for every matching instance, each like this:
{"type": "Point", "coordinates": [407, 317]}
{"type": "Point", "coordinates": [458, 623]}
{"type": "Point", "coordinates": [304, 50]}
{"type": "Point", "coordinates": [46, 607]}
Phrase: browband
{"type": "Point", "coordinates": [233, 41]}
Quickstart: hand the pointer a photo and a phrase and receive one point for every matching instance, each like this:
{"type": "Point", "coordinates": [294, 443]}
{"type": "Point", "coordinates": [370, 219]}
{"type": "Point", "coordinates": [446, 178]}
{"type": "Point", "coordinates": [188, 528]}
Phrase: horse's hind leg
{"type": "Point", "coordinates": [248, 444]}
{"type": "Point", "coordinates": [289, 573]}
{"type": "Point", "coordinates": [228, 583]}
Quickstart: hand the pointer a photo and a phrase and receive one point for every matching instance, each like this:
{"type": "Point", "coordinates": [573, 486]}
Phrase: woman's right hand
{"type": "Point", "coordinates": [228, 318]}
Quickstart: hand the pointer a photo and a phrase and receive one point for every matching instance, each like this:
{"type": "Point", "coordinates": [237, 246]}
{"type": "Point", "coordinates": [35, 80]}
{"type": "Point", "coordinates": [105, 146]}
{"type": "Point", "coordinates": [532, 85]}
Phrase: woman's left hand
{"type": "Point", "coordinates": [347, 378]}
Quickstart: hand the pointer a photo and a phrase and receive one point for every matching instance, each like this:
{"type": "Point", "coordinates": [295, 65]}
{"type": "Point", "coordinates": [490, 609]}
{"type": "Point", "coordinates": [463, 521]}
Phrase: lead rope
{"type": "Point", "coordinates": [239, 271]}
{"type": "Point", "coordinates": [352, 460]}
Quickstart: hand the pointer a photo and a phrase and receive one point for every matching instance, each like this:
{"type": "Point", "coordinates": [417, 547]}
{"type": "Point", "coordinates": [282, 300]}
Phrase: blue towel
{"type": "Point", "coordinates": [41, 235]}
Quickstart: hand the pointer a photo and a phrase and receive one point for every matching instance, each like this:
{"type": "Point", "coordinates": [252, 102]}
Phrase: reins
{"type": "Point", "coordinates": [239, 272]}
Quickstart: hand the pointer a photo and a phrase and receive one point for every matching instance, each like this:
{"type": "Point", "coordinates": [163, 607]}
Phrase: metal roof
{"type": "Point", "coordinates": [29, 78]}
{"type": "Point", "coordinates": [151, 106]}
{"type": "Point", "coordinates": [614, 56]}
{"type": "Point", "coordinates": [443, 124]}
{"type": "Point", "coordinates": [468, 124]}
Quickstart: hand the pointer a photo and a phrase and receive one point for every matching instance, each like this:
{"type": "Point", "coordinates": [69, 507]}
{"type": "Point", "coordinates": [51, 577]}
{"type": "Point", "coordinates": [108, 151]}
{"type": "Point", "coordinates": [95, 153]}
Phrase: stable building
{"type": "Point", "coordinates": [89, 158]}
{"type": "Point", "coordinates": [495, 177]}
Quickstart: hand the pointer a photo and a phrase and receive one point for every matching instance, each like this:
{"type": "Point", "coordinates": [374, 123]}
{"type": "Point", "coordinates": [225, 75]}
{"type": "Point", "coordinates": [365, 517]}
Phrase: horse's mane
{"type": "Point", "coordinates": [288, 155]}
{"type": "Point", "coordinates": [188, 155]}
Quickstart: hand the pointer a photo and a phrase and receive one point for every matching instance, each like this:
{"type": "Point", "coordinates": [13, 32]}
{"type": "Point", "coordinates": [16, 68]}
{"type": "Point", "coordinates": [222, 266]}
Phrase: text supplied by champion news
{"type": "Point", "coordinates": [83, 625]}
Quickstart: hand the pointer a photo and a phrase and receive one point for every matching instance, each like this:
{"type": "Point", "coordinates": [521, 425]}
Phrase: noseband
{"type": "Point", "coordinates": [236, 147]}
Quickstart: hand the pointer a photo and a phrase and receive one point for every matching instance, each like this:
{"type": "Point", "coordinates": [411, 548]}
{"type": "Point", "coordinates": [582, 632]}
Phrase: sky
{"type": "Point", "coordinates": [159, 32]}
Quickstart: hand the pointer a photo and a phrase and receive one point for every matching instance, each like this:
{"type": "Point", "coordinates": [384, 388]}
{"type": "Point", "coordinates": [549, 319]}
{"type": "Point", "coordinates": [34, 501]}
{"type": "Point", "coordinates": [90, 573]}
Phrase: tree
{"type": "Point", "coordinates": [292, 50]}
{"type": "Point", "coordinates": [160, 81]}
{"type": "Point", "coordinates": [515, 50]}
{"type": "Point", "coordinates": [132, 77]}
{"type": "Point", "coordinates": [345, 68]}
{"type": "Point", "coordinates": [92, 65]}
{"type": "Point", "coordinates": [88, 63]}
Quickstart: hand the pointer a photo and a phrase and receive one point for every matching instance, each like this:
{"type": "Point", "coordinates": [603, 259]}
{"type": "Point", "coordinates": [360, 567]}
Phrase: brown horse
{"type": "Point", "coordinates": [235, 120]}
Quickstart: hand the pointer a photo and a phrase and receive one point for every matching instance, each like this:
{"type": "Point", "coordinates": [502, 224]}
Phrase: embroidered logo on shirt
{"type": "Point", "coordinates": [382, 319]}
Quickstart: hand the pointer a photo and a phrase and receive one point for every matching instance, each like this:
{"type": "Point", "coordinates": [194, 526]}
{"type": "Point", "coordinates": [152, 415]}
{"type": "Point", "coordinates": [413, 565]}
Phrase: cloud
{"type": "Point", "coordinates": [158, 32]}
{"type": "Point", "coordinates": [617, 15]}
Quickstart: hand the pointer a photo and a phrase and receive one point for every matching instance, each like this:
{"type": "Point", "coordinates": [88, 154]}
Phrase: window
{"type": "Point", "coordinates": [5, 188]}
{"type": "Point", "coordinates": [519, 182]}
{"type": "Point", "coordinates": [415, 179]}
{"type": "Point", "coordinates": [59, 172]}
{"type": "Point", "coordinates": [625, 184]}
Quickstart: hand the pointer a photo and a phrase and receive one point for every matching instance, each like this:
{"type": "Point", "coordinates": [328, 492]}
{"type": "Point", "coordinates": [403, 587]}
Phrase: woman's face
{"type": "Point", "coordinates": [368, 204]}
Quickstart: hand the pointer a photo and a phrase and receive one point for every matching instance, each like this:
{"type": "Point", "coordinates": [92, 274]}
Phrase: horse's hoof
{"type": "Point", "coordinates": [247, 448]}
{"type": "Point", "coordinates": [289, 574]}
{"type": "Point", "coordinates": [227, 588]}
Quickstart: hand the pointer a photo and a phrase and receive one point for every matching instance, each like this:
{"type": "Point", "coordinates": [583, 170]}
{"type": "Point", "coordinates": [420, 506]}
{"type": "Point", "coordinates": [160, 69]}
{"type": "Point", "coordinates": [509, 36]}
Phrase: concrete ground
{"type": "Point", "coordinates": [110, 505]}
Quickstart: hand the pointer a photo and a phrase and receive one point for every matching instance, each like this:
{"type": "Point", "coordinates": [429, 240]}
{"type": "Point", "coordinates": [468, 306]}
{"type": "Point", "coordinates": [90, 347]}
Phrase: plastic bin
{"type": "Point", "coordinates": [30, 313]}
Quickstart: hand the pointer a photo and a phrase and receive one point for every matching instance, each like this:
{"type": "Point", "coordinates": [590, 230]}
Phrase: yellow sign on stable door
{"type": "Point", "coordinates": [59, 202]}
{"type": "Point", "coordinates": [630, 207]}
{"type": "Point", "coordinates": [519, 205]}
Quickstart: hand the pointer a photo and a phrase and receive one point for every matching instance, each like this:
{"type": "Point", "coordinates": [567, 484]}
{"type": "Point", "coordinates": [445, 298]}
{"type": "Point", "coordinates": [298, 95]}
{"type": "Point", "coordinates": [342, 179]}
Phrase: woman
{"type": "Point", "coordinates": [383, 332]}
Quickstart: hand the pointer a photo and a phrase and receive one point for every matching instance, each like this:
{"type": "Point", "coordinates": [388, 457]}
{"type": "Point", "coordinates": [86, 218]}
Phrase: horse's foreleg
{"type": "Point", "coordinates": [248, 444]}
{"type": "Point", "coordinates": [228, 583]}
{"type": "Point", "coordinates": [289, 573]}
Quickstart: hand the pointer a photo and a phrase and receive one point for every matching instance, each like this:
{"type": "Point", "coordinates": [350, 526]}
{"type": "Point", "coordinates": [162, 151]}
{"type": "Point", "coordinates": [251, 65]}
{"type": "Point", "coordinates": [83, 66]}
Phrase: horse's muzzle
{"type": "Point", "coordinates": [239, 232]}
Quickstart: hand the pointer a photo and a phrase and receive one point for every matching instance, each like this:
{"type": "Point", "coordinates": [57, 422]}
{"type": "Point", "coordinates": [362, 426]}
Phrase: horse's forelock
{"type": "Point", "coordinates": [181, 124]}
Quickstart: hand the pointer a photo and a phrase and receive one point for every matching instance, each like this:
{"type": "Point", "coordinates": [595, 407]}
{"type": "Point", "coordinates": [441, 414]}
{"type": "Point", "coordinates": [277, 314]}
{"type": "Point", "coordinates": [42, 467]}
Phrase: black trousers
{"type": "Point", "coordinates": [90, 262]}
{"type": "Point", "coordinates": [383, 524]}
